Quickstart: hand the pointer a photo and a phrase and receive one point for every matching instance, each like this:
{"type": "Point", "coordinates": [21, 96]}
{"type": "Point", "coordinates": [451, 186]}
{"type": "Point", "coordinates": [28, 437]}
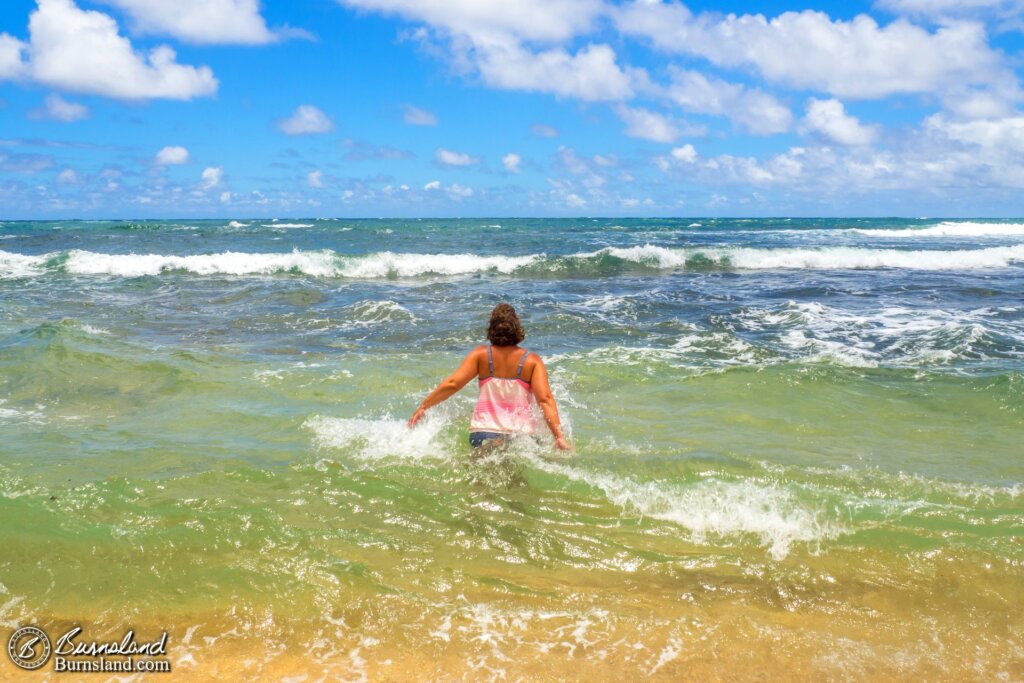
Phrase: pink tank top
{"type": "Point", "coordinates": [504, 405]}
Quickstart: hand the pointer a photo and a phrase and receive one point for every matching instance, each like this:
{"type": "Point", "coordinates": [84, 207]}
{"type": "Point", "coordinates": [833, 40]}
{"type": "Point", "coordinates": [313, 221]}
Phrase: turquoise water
{"type": "Point", "coordinates": [798, 445]}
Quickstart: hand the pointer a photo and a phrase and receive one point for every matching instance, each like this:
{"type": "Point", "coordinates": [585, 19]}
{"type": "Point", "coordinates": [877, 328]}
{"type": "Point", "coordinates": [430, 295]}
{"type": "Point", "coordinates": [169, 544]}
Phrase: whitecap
{"type": "Point", "coordinates": [14, 266]}
{"type": "Point", "coordinates": [949, 229]}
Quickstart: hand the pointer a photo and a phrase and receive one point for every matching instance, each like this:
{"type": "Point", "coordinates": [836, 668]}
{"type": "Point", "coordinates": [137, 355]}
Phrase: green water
{"type": "Point", "coordinates": [777, 473]}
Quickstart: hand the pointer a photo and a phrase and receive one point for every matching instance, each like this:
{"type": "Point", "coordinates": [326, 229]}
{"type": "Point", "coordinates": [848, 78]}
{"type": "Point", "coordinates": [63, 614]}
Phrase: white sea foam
{"type": "Point", "coordinates": [327, 263]}
{"type": "Point", "coordinates": [14, 266]}
{"type": "Point", "coordinates": [949, 229]}
{"type": "Point", "coordinates": [379, 439]}
{"type": "Point", "coordinates": [236, 224]}
{"type": "Point", "coordinates": [320, 264]}
{"type": "Point", "coordinates": [709, 509]}
{"type": "Point", "coordinates": [386, 263]}
{"type": "Point", "coordinates": [713, 508]}
{"type": "Point", "coordinates": [891, 334]}
{"type": "Point", "coordinates": [287, 225]}
{"type": "Point", "coordinates": [369, 312]}
{"type": "Point", "coordinates": [828, 258]}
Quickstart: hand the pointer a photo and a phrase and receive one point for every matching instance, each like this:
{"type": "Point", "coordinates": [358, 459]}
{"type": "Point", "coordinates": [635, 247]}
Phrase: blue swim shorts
{"type": "Point", "coordinates": [477, 439]}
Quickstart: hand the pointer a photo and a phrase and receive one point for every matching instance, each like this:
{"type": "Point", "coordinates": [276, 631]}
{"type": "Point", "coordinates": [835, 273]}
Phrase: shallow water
{"type": "Point", "coordinates": [798, 447]}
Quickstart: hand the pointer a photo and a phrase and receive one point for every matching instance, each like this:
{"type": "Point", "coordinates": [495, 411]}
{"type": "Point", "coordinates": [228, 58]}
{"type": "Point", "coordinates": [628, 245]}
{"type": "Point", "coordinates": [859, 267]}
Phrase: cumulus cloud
{"type": "Point", "coordinates": [511, 162]}
{"type": "Point", "coordinates": [755, 110]}
{"type": "Point", "coordinates": [57, 108]}
{"type": "Point", "coordinates": [211, 177]}
{"type": "Point", "coordinates": [1002, 134]}
{"type": "Point", "coordinates": [829, 118]}
{"type": "Point", "coordinates": [12, 64]}
{"type": "Point", "coordinates": [590, 74]}
{"type": "Point", "coordinates": [306, 120]}
{"type": "Point", "coordinates": [687, 154]}
{"type": "Point", "coordinates": [199, 21]}
{"type": "Point", "coordinates": [851, 59]}
{"type": "Point", "coordinates": [489, 38]}
{"type": "Point", "coordinates": [171, 155]}
{"type": "Point", "coordinates": [542, 20]}
{"type": "Point", "coordinates": [648, 125]}
{"type": "Point", "coordinates": [432, 185]}
{"type": "Point", "coordinates": [447, 157]}
{"type": "Point", "coordinates": [315, 179]}
{"type": "Point", "coordinates": [81, 51]}
{"type": "Point", "coordinates": [457, 192]}
{"type": "Point", "coordinates": [67, 177]}
{"type": "Point", "coordinates": [542, 130]}
{"type": "Point", "coordinates": [415, 116]}
{"type": "Point", "coordinates": [1007, 13]}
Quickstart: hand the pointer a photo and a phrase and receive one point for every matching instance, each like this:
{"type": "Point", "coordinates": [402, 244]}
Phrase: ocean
{"type": "Point", "coordinates": [798, 447]}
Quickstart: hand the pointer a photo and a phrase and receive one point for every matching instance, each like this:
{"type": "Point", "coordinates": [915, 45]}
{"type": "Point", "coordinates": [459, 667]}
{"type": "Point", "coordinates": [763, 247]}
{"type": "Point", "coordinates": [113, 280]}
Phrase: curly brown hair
{"type": "Point", "coordinates": [504, 329]}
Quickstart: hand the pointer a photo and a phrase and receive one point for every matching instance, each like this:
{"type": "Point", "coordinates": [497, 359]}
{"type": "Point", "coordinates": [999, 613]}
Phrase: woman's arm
{"type": "Point", "coordinates": [449, 386]}
{"type": "Point", "coordinates": [546, 401]}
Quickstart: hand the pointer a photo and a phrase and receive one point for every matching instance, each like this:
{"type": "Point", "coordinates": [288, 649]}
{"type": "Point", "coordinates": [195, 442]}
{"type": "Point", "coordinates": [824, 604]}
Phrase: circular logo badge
{"type": "Point", "coordinates": [29, 647]}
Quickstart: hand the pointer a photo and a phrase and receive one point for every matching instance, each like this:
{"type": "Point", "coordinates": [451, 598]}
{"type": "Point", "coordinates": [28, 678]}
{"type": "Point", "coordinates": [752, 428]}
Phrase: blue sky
{"type": "Point", "coordinates": [236, 108]}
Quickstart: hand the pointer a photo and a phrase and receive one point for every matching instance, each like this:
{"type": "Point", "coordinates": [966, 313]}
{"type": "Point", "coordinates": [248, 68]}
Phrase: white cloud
{"type": "Point", "coordinates": [542, 130]}
{"type": "Point", "coordinates": [225, 197]}
{"type": "Point", "coordinates": [67, 177]}
{"type": "Point", "coordinates": [648, 125]}
{"type": "Point", "coordinates": [755, 110]}
{"type": "Point", "coordinates": [306, 119]}
{"type": "Point", "coordinates": [511, 162]}
{"type": "Point", "coordinates": [211, 177]}
{"type": "Point", "coordinates": [12, 65]}
{"type": "Point", "coordinates": [457, 192]}
{"type": "Point", "coordinates": [172, 155]}
{"type": "Point", "coordinates": [829, 118]}
{"type": "Point", "coordinates": [432, 185]}
{"type": "Point", "coordinates": [57, 108]}
{"type": "Point", "coordinates": [447, 157]}
{"type": "Point", "coordinates": [852, 59]}
{"type": "Point", "coordinates": [543, 20]}
{"type": "Point", "coordinates": [488, 38]}
{"type": "Point", "coordinates": [1008, 12]}
{"type": "Point", "coordinates": [81, 51]}
{"type": "Point", "coordinates": [1003, 135]}
{"type": "Point", "coordinates": [415, 116]}
{"type": "Point", "coordinates": [199, 21]}
{"type": "Point", "coordinates": [590, 74]}
{"type": "Point", "coordinates": [574, 200]}
{"type": "Point", "coordinates": [315, 179]}
{"type": "Point", "coordinates": [687, 154]}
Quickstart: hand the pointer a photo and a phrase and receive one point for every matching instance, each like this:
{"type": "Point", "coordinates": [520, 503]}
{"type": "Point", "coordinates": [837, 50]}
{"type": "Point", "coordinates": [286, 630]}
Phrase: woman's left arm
{"type": "Point", "coordinates": [450, 385]}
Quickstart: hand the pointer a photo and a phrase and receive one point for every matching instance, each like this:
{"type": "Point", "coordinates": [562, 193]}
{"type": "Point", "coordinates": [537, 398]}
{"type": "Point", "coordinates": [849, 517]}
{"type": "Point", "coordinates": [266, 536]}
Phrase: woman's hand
{"type": "Point", "coordinates": [420, 412]}
{"type": "Point", "coordinates": [562, 444]}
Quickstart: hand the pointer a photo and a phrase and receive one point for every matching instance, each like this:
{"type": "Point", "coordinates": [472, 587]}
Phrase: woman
{"type": "Point", "coordinates": [512, 380]}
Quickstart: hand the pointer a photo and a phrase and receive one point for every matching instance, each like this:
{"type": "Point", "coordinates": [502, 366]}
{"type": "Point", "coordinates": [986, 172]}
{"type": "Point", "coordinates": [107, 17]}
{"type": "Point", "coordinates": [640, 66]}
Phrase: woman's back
{"type": "Point", "coordinates": [513, 382]}
{"type": "Point", "coordinates": [506, 403]}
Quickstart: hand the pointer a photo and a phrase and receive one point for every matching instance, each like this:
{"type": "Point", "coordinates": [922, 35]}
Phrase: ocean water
{"type": "Point", "coordinates": [799, 447]}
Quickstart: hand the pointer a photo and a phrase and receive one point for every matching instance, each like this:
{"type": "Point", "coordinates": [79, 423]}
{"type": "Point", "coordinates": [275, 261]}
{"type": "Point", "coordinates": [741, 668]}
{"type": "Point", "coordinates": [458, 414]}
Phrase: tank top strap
{"type": "Point", "coordinates": [490, 362]}
{"type": "Point", "coordinates": [519, 370]}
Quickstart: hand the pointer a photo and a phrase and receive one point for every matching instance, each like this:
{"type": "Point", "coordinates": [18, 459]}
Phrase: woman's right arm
{"type": "Point", "coordinates": [546, 401]}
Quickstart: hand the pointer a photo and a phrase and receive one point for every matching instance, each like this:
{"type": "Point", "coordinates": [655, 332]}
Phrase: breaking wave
{"type": "Point", "coordinates": [607, 261]}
